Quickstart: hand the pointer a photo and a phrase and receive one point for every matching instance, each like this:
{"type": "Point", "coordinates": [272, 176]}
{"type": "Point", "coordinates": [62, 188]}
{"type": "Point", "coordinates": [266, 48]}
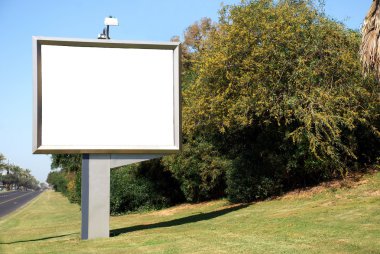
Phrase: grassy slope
{"type": "Point", "coordinates": [325, 220]}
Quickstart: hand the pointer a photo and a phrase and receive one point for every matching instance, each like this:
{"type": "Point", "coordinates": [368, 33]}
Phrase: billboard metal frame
{"type": "Point", "coordinates": [39, 148]}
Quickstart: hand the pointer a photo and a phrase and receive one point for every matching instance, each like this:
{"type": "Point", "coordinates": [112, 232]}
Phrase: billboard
{"type": "Point", "coordinates": [95, 96]}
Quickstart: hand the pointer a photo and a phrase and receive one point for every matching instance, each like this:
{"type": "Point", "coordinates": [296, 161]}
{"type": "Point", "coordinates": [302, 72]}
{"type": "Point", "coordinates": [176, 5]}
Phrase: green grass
{"type": "Point", "coordinates": [321, 220]}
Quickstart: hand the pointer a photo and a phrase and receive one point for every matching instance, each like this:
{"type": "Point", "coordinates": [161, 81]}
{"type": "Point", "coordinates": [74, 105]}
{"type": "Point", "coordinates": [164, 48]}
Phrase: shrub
{"type": "Point", "coordinates": [143, 186]}
{"type": "Point", "coordinates": [58, 180]}
{"type": "Point", "coordinates": [200, 169]}
{"type": "Point", "coordinates": [74, 187]}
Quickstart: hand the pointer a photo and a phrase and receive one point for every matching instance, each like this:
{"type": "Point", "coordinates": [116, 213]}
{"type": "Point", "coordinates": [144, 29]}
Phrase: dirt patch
{"type": "Point", "coordinates": [328, 204]}
{"type": "Point", "coordinates": [180, 208]}
{"type": "Point", "coordinates": [352, 180]}
{"type": "Point", "coordinates": [373, 193]}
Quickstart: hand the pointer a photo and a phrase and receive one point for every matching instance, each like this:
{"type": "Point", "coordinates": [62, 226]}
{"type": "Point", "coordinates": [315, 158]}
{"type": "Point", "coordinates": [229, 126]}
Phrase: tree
{"type": "Point", "coordinates": [2, 163]}
{"type": "Point", "coordinates": [370, 46]}
{"type": "Point", "coordinates": [67, 175]}
{"type": "Point", "coordinates": [2, 159]}
{"type": "Point", "coordinates": [194, 42]}
{"type": "Point", "coordinates": [17, 177]}
{"type": "Point", "coordinates": [2, 168]}
{"type": "Point", "coordinates": [58, 181]}
{"type": "Point", "coordinates": [43, 186]}
{"type": "Point", "coordinates": [66, 162]}
{"type": "Point", "coordinates": [279, 90]}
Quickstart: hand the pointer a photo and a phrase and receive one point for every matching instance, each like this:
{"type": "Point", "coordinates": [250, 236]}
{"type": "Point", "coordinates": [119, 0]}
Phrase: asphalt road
{"type": "Point", "coordinates": [10, 201]}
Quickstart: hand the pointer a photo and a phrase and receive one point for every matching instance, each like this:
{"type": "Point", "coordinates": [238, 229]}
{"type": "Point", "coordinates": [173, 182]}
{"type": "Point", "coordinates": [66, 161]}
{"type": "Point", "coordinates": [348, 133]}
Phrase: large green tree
{"type": "Point", "coordinates": [279, 89]}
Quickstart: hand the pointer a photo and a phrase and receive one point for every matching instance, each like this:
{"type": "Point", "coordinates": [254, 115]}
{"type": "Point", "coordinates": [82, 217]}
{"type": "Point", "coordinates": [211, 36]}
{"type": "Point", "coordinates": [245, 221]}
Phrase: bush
{"type": "Point", "coordinates": [129, 193]}
{"type": "Point", "coordinates": [143, 186]}
{"type": "Point", "coordinates": [58, 180]}
{"type": "Point", "coordinates": [74, 187]}
{"type": "Point", "coordinates": [200, 169]}
{"type": "Point", "coordinates": [163, 180]}
{"type": "Point", "coordinates": [245, 187]}
{"type": "Point", "coordinates": [259, 164]}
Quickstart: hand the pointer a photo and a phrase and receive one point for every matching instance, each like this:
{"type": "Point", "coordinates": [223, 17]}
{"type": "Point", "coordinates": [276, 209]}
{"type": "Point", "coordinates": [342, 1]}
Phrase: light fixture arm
{"type": "Point", "coordinates": [108, 21]}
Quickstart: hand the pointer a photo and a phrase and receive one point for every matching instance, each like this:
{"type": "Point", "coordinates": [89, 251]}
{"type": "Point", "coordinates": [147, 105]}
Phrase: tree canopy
{"type": "Point", "coordinates": [277, 88]}
{"type": "Point", "coordinates": [282, 63]}
{"type": "Point", "coordinates": [15, 177]}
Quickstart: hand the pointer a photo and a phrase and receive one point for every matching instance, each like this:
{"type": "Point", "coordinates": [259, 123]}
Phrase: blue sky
{"type": "Point", "coordinates": [139, 20]}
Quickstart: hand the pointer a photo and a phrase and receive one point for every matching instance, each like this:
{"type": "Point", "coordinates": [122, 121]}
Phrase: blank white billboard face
{"type": "Point", "coordinates": [106, 97]}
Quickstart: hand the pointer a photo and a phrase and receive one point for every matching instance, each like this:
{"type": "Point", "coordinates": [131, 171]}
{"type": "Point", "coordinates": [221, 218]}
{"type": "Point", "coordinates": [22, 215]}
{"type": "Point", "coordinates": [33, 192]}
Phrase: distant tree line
{"type": "Point", "coordinates": [274, 98]}
{"type": "Point", "coordinates": [13, 177]}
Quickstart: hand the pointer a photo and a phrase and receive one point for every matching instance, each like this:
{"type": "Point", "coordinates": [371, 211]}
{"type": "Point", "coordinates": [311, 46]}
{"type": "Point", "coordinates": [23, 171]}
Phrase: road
{"type": "Point", "coordinates": [10, 201]}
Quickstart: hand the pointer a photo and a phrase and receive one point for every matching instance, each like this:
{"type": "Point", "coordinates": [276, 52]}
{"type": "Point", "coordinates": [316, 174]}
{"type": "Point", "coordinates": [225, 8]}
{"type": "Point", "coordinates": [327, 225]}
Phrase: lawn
{"type": "Point", "coordinates": [332, 219]}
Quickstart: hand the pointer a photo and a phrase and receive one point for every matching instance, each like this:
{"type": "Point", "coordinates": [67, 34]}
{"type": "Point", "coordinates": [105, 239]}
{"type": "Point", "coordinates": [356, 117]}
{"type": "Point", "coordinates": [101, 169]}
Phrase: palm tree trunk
{"type": "Point", "coordinates": [370, 46]}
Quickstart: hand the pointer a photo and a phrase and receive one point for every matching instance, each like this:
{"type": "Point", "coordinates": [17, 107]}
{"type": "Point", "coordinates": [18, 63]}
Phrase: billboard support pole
{"type": "Point", "coordinates": [96, 190]}
{"type": "Point", "coordinates": [95, 196]}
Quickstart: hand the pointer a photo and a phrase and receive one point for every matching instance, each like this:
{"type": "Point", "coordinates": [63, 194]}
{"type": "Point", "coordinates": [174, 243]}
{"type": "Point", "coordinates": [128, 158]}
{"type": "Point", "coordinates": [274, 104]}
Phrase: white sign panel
{"type": "Point", "coordinates": [94, 96]}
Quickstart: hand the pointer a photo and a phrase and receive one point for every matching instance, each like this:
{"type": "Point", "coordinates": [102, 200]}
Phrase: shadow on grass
{"type": "Point", "coordinates": [177, 222]}
{"type": "Point", "coordinates": [38, 239]}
